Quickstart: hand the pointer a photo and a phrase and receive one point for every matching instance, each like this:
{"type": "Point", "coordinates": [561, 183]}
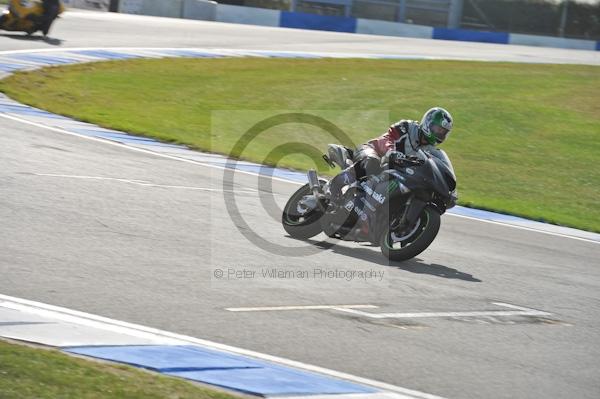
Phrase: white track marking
{"type": "Point", "coordinates": [307, 307]}
{"type": "Point", "coordinates": [74, 316]}
{"type": "Point", "coordinates": [144, 183]}
{"type": "Point", "coordinates": [533, 229]}
{"type": "Point", "coordinates": [520, 311]}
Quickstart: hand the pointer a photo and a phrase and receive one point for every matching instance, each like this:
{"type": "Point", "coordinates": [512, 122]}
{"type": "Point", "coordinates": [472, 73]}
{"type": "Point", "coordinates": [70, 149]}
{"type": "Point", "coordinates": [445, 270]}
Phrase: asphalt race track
{"type": "Point", "coordinates": [79, 230]}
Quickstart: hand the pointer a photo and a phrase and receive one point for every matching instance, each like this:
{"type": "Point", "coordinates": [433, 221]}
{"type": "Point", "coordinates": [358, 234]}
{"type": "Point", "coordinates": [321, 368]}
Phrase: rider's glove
{"type": "Point", "coordinates": [394, 157]}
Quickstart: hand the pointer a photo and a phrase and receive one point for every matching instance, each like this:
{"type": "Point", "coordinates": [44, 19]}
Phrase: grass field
{"type": "Point", "coordinates": [526, 138]}
{"type": "Point", "coordinates": [31, 373]}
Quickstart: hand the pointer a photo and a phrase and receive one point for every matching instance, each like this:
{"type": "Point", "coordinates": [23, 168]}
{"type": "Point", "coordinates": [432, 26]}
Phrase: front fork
{"type": "Point", "coordinates": [315, 188]}
{"type": "Point", "coordinates": [412, 211]}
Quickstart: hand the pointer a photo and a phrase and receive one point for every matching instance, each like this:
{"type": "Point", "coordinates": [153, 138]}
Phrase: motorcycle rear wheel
{"type": "Point", "coordinates": [415, 241]}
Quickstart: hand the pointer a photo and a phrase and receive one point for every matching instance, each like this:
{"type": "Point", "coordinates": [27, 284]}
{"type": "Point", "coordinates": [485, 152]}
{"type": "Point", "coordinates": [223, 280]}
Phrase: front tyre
{"type": "Point", "coordinates": [299, 222]}
{"type": "Point", "coordinates": [399, 246]}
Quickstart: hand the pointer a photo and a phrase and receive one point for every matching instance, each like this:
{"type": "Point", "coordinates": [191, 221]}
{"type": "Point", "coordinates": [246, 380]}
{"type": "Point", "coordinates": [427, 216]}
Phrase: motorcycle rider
{"type": "Point", "coordinates": [403, 139]}
{"type": "Point", "coordinates": [51, 11]}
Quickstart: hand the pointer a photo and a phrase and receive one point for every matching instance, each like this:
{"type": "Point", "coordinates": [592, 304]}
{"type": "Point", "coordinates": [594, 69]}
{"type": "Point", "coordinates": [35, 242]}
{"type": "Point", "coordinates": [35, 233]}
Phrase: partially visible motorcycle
{"type": "Point", "coordinates": [398, 209]}
{"type": "Point", "coordinates": [30, 16]}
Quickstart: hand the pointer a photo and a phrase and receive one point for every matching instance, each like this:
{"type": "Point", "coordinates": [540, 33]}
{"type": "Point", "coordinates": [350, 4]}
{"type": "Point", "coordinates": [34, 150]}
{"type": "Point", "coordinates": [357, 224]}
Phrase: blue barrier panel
{"type": "Point", "coordinates": [597, 46]}
{"type": "Point", "coordinates": [30, 111]}
{"type": "Point", "coordinates": [166, 358]}
{"type": "Point", "coordinates": [317, 22]}
{"type": "Point", "coordinates": [10, 67]}
{"type": "Point", "coordinates": [111, 134]}
{"type": "Point", "coordinates": [223, 369]}
{"type": "Point", "coordinates": [274, 381]}
{"type": "Point", "coordinates": [276, 54]}
{"type": "Point", "coordinates": [105, 54]}
{"type": "Point", "coordinates": [121, 137]}
{"type": "Point", "coordinates": [470, 35]}
{"type": "Point", "coordinates": [44, 59]}
{"type": "Point", "coordinates": [190, 54]}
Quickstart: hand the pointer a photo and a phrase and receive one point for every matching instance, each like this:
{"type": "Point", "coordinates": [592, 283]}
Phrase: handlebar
{"type": "Point", "coordinates": [409, 162]}
{"type": "Point", "coordinates": [398, 159]}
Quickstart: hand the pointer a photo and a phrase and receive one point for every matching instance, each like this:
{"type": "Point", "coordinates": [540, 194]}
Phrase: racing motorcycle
{"type": "Point", "coordinates": [398, 209]}
{"type": "Point", "coordinates": [28, 16]}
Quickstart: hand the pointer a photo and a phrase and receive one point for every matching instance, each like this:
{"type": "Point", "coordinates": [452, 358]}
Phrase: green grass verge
{"type": "Point", "coordinates": [27, 372]}
{"type": "Point", "coordinates": [526, 139]}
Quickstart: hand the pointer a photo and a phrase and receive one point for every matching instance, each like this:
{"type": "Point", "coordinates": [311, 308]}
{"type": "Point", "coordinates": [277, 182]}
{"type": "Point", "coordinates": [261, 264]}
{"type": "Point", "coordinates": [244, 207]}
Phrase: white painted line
{"type": "Point", "coordinates": [137, 330]}
{"type": "Point", "coordinates": [533, 229]}
{"type": "Point", "coordinates": [307, 307]}
{"type": "Point", "coordinates": [145, 183]}
{"type": "Point", "coordinates": [508, 305]}
{"type": "Point", "coordinates": [497, 313]}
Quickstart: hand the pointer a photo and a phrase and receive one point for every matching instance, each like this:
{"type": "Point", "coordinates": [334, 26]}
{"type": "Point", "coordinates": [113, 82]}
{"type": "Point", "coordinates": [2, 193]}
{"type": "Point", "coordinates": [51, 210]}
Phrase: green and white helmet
{"type": "Point", "coordinates": [436, 125]}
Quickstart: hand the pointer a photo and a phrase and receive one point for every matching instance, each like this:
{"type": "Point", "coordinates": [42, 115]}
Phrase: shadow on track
{"type": "Point", "coordinates": [33, 38]}
{"type": "Point", "coordinates": [415, 265]}
{"type": "Point", "coordinates": [418, 266]}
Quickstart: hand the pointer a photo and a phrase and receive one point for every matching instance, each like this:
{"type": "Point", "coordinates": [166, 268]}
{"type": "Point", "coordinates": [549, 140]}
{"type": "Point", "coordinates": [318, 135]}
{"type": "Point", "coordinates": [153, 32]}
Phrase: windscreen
{"type": "Point", "coordinates": [445, 166]}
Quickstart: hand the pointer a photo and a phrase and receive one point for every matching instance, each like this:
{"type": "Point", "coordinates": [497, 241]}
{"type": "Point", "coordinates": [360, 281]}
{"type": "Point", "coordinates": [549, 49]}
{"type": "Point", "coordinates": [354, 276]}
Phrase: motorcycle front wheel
{"type": "Point", "coordinates": [297, 222]}
{"type": "Point", "coordinates": [399, 246]}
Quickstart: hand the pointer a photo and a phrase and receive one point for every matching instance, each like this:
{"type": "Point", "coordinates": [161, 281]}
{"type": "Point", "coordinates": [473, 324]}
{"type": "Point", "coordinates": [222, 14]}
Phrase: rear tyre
{"type": "Point", "coordinates": [402, 246]}
{"type": "Point", "coordinates": [298, 224]}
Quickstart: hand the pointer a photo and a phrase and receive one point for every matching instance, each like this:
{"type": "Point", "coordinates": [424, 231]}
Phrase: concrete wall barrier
{"type": "Point", "coordinates": [99, 5]}
{"type": "Point", "coordinates": [157, 8]}
{"type": "Point", "coordinates": [247, 15]}
{"type": "Point", "coordinates": [199, 9]}
{"type": "Point", "coordinates": [386, 28]}
{"type": "Point", "coordinates": [162, 8]}
{"type": "Point", "coordinates": [130, 6]}
{"type": "Point", "coordinates": [545, 41]}
{"type": "Point", "coordinates": [300, 20]}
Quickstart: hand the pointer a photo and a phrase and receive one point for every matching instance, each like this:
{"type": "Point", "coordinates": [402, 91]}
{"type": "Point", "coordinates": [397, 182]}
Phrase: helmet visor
{"type": "Point", "coordinates": [440, 133]}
